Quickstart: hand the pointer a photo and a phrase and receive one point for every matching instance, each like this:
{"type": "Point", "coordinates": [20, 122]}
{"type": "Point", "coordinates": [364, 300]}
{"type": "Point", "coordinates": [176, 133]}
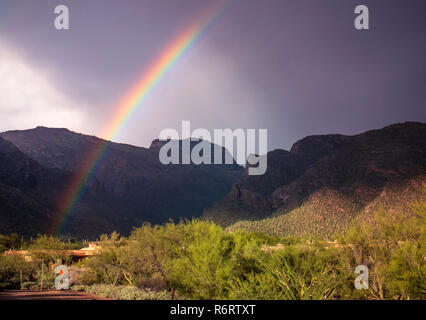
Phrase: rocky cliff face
{"type": "Point", "coordinates": [130, 180]}
{"type": "Point", "coordinates": [357, 167]}
{"type": "Point", "coordinates": [29, 194]}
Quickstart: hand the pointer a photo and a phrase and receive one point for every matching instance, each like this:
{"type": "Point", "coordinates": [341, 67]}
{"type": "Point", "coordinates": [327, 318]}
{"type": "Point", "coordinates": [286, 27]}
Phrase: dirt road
{"type": "Point", "coordinates": [46, 295]}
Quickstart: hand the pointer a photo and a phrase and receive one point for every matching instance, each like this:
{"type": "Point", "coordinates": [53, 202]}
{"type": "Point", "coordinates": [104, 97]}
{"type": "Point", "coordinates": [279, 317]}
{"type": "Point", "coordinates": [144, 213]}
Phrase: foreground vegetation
{"type": "Point", "coordinates": [122, 292]}
{"type": "Point", "coordinates": [200, 260]}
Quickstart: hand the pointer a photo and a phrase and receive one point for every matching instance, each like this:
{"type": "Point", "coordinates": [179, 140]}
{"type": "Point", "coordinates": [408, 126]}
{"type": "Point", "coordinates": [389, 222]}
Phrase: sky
{"type": "Point", "coordinates": [294, 67]}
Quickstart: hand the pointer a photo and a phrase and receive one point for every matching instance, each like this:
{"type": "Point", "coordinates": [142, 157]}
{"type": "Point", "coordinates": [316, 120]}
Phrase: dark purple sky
{"type": "Point", "coordinates": [295, 67]}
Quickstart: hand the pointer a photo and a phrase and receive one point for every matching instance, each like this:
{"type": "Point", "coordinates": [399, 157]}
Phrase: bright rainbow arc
{"type": "Point", "coordinates": [127, 108]}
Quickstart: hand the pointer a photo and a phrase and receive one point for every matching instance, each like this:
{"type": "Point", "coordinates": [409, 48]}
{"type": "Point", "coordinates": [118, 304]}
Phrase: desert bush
{"type": "Point", "coordinates": [106, 267]}
{"type": "Point", "coordinates": [255, 286]}
{"type": "Point", "coordinates": [393, 248]}
{"type": "Point", "coordinates": [293, 273]}
{"type": "Point", "coordinates": [10, 267]}
{"type": "Point", "coordinates": [47, 276]}
{"type": "Point", "coordinates": [203, 267]}
{"type": "Point", "coordinates": [201, 260]}
{"type": "Point", "coordinates": [210, 261]}
{"type": "Point", "coordinates": [299, 284]}
{"type": "Point", "coordinates": [49, 249]}
{"type": "Point", "coordinates": [12, 242]}
{"type": "Point", "coordinates": [125, 292]}
{"type": "Point", "coordinates": [148, 253]}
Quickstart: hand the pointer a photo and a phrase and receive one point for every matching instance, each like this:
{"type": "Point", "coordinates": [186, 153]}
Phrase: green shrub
{"type": "Point", "coordinates": [10, 268]}
{"type": "Point", "coordinates": [392, 246]}
{"type": "Point", "coordinates": [125, 292]}
{"type": "Point", "coordinates": [255, 286]}
{"type": "Point", "coordinates": [201, 260]}
{"type": "Point", "coordinates": [210, 261]}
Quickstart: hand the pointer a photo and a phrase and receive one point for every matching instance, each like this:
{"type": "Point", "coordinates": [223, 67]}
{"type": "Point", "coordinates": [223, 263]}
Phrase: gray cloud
{"type": "Point", "coordinates": [28, 98]}
{"type": "Point", "coordinates": [295, 67]}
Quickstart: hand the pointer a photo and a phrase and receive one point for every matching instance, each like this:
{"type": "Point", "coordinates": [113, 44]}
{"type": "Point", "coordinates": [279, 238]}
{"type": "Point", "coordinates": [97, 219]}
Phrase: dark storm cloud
{"type": "Point", "coordinates": [294, 67]}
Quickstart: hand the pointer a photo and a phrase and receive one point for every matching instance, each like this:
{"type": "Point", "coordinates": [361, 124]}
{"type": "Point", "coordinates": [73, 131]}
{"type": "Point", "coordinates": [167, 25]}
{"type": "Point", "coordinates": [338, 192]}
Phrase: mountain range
{"type": "Point", "coordinates": [320, 186]}
{"type": "Point", "coordinates": [130, 187]}
{"type": "Point", "coordinates": [327, 181]}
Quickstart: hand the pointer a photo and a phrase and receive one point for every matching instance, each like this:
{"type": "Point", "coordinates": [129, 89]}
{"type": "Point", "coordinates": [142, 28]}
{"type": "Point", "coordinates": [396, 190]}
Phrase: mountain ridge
{"type": "Point", "coordinates": [131, 180]}
{"type": "Point", "coordinates": [359, 167]}
{"type": "Point", "coordinates": [330, 178]}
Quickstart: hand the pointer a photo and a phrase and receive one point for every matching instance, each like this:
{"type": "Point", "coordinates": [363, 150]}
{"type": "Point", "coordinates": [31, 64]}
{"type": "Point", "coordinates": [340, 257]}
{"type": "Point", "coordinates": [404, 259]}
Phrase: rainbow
{"type": "Point", "coordinates": [132, 101]}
